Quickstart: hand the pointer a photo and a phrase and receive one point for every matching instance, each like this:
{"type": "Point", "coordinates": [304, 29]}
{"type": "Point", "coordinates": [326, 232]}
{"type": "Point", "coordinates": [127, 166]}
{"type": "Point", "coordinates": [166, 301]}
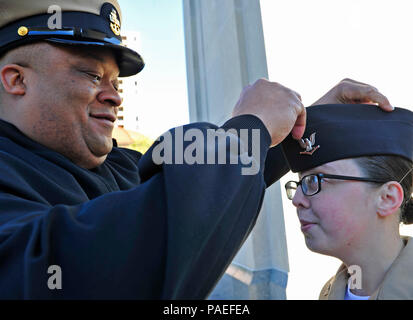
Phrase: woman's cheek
{"type": "Point", "coordinates": [335, 221]}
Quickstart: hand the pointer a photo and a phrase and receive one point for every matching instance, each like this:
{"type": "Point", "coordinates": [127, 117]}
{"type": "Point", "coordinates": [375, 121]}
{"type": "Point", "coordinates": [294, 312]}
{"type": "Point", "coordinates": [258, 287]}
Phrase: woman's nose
{"type": "Point", "coordinates": [300, 200]}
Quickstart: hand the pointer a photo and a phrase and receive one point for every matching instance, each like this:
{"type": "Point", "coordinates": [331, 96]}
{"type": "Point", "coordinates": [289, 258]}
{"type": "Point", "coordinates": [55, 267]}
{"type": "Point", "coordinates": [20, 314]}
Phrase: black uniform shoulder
{"type": "Point", "coordinates": [122, 155]}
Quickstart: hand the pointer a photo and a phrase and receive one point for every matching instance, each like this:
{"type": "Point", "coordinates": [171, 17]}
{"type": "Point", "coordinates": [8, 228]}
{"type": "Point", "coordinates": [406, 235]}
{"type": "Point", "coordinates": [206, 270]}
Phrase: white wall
{"type": "Point", "coordinates": [311, 46]}
{"type": "Point", "coordinates": [218, 68]}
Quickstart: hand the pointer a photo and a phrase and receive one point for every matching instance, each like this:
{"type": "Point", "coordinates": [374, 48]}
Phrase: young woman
{"type": "Point", "coordinates": [355, 187]}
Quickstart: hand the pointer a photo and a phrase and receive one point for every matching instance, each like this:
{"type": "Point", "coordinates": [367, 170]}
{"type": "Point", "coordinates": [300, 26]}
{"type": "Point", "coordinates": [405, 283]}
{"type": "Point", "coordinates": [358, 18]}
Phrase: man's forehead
{"type": "Point", "coordinates": [101, 55]}
{"type": "Point", "coordinates": [89, 52]}
{"type": "Point", "coordinates": [94, 54]}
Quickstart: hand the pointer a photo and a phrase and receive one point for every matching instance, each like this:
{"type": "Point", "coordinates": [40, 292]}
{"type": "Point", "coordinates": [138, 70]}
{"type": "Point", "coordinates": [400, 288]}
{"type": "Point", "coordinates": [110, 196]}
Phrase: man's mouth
{"type": "Point", "coordinates": [104, 118]}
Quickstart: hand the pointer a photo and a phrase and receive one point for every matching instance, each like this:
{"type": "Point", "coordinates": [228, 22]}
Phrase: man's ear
{"type": "Point", "coordinates": [389, 198]}
{"type": "Point", "coordinates": [12, 78]}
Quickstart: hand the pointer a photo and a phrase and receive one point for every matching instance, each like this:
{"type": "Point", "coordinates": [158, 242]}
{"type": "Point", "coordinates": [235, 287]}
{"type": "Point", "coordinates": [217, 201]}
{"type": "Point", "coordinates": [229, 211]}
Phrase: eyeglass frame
{"type": "Point", "coordinates": [320, 176]}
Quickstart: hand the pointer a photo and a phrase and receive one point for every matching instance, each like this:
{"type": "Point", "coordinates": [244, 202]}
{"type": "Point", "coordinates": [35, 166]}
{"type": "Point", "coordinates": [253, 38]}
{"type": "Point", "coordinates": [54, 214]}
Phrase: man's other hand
{"type": "Point", "coordinates": [351, 91]}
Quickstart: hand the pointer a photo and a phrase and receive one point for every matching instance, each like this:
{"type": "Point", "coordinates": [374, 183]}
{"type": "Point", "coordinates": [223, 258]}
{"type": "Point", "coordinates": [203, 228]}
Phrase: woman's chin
{"type": "Point", "coordinates": [317, 247]}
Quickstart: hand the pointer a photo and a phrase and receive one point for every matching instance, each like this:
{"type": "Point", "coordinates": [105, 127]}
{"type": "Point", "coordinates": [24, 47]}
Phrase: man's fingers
{"type": "Point", "coordinates": [381, 100]}
{"type": "Point", "coordinates": [357, 82]}
{"type": "Point", "coordinates": [299, 126]}
{"type": "Point", "coordinates": [297, 95]}
{"type": "Point", "coordinates": [366, 94]}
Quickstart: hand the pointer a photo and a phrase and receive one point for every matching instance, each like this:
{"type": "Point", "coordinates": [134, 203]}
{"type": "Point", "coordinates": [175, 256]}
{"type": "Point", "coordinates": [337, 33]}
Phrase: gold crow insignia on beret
{"type": "Point", "coordinates": [308, 145]}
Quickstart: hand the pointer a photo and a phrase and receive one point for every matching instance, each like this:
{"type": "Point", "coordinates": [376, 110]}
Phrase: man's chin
{"type": "Point", "coordinates": [101, 148]}
{"type": "Point", "coordinates": [98, 154]}
{"type": "Point", "coordinates": [103, 152]}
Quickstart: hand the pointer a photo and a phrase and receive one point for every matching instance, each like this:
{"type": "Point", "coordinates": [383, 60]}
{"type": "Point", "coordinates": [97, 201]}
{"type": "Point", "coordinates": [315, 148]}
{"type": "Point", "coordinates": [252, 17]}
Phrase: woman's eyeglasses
{"type": "Point", "coordinates": [311, 184]}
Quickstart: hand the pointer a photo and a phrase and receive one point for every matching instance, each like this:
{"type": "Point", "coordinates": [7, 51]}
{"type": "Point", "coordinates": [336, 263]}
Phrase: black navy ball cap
{"type": "Point", "coordinates": [79, 23]}
{"type": "Point", "coordinates": [341, 131]}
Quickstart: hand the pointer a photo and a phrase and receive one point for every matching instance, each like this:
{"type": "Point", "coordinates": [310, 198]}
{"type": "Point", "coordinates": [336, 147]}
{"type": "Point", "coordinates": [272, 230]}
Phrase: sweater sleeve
{"type": "Point", "coordinates": [276, 165]}
{"type": "Point", "coordinates": [211, 210]}
{"type": "Point", "coordinates": [171, 237]}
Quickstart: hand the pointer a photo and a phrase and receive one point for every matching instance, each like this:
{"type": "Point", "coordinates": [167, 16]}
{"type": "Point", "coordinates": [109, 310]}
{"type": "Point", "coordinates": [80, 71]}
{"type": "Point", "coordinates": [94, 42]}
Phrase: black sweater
{"type": "Point", "coordinates": [128, 229]}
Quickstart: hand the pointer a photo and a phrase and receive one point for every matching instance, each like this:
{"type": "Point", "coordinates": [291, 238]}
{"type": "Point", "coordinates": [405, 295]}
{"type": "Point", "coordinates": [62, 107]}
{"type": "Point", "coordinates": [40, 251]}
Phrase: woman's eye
{"type": "Point", "coordinates": [313, 180]}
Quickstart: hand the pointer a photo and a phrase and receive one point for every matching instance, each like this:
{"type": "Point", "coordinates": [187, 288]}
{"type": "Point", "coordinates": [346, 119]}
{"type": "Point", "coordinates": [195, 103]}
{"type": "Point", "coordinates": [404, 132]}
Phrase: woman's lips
{"type": "Point", "coordinates": [306, 225]}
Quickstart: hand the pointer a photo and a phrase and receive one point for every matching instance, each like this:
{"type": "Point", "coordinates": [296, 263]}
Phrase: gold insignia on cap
{"type": "Point", "coordinates": [22, 31]}
{"type": "Point", "coordinates": [114, 22]}
{"type": "Point", "coordinates": [308, 145]}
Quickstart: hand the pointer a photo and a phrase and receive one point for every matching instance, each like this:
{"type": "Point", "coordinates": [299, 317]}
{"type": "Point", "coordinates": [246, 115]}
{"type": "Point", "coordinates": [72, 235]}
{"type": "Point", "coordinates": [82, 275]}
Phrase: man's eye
{"type": "Point", "coordinates": [95, 77]}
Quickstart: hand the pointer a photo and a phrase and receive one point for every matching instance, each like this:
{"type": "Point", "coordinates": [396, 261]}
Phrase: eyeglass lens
{"type": "Point", "coordinates": [309, 185]}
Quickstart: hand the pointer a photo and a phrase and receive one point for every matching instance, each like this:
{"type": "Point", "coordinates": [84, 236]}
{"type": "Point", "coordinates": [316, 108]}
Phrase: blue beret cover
{"type": "Point", "coordinates": [341, 131]}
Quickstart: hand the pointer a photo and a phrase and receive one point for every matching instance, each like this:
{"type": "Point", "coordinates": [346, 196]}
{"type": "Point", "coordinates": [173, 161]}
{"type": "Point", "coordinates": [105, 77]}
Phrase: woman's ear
{"type": "Point", "coordinates": [389, 198]}
{"type": "Point", "coordinates": [12, 79]}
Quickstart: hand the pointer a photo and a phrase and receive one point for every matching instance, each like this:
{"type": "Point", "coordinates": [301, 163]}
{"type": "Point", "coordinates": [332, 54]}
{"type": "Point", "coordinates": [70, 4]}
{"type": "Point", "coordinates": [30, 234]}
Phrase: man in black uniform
{"type": "Point", "coordinates": [116, 223]}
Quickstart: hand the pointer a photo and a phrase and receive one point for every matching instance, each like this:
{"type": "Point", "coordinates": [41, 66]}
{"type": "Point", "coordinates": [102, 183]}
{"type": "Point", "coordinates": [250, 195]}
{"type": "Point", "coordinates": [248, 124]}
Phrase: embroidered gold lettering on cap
{"type": "Point", "coordinates": [308, 145]}
{"type": "Point", "coordinates": [114, 22]}
{"type": "Point", "coordinates": [22, 31]}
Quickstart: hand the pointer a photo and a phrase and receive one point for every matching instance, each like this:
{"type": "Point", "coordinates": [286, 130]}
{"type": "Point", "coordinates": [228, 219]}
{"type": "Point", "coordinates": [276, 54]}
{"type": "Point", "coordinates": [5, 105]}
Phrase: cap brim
{"type": "Point", "coordinates": [129, 61]}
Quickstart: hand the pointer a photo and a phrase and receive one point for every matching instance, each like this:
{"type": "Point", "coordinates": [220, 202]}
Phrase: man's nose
{"type": "Point", "coordinates": [109, 95]}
